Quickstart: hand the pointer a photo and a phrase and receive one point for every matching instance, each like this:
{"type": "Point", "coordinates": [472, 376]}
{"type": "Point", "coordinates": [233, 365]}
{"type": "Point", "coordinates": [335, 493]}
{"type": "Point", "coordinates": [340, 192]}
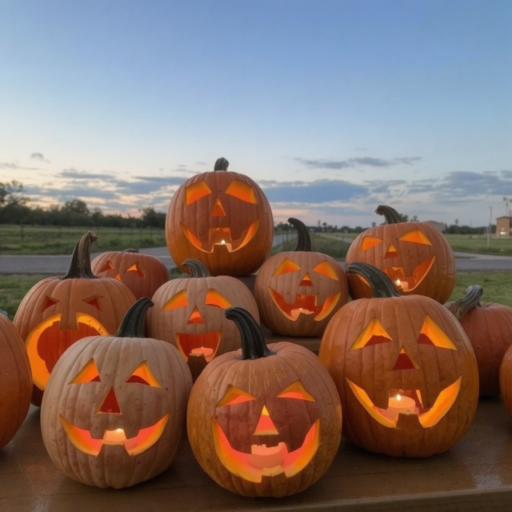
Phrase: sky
{"type": "Point", "coordinates": [332, 106]}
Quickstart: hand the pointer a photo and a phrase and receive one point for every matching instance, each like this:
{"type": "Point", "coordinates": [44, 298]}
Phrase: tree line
{"type": "Point", "coordinates": [15, 209]}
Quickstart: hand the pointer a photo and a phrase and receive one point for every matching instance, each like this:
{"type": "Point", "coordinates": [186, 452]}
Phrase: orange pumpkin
{"type": "Point", "coordinates": [15, 381]}
{"type": "Point", "coordinates": [415, 256]}
{"type": "Point", "coordinates": [113, 413]}
{"type": "Point", "coordinates": [489, 329]}
{"type": "Point", "coordinates": [299, 291]}
{"type": "Point", "coordinates": [264, 421]}
{"type": "Point", "coordinates": [58, 311]}
{"type": "Point", "coordinates": [189, 313]}
{"type": "Point", "coordinates": [142, 273]}
{"type": "Point", "coordinates": [404, 368]}
{"type": "Point", "coordinates": [221, 218]}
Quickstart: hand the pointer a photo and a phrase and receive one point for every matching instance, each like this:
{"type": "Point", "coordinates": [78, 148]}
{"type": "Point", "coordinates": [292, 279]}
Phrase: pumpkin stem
{"type": "Point", "coordinates": [81, 259]}
{"type": "Point", "coordinates": [197, 268]}
{"type": "Point", "coordinates": [304, 242]}
{"type": "Point", "coordinates": [132, 324]}
{"type": "Point", "coordinates": [390, 214]}
{"type": "Point", "coordinates": [470, 300]}
{"type": "Point", "coordinates": [221, 164]}
{"type": "Point", "coordinates": [379, 282]}
{"type": "Point", "coordinates": [131, 250]}
{"type": "Point", "coordinates": [253, 339]}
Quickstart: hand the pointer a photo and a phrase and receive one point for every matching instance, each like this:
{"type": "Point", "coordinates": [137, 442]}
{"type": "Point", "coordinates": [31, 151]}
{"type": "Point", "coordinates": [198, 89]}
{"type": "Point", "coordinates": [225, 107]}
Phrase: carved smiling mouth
{"type": "Point", "coordinates": [408, 402]}
{"type": "Point", "coordinates": [205, 343]}
{"type": "Point", "coordinates": [83, 440]}
{"type": "Point", "coordinates": [305, 305]}
{"type": "Point", "coordinates": [47, 342]}
{"type": "Point", "coordinates": [409, 283]}
{"type": "Point", "coordinates": [222, 237]}
{"type": "Point", "coordinates": [265, 460]}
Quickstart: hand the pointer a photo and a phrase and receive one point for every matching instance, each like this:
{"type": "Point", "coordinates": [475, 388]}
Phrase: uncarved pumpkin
{"type": "Point", "coordinates": [299, 291]}
{"type": "Point", "coordinates": [58, 311]}
{"type": "Point", "coordinates": [264, 421]}
{"type": "Point", "coordinates": [489, 329]}
{"type": "Point", "coordinates": [142, 273]}
{"type": "Point", "coordinates": [221, 218]}
{"type": "Point", "coordinates": [414, 255]}
{"type": "Point", "coordinates": [113, 413]}
{"type": "Point", "coordinates": [15, 381]}
{"type": "Point", "coordinates": [404, 368]}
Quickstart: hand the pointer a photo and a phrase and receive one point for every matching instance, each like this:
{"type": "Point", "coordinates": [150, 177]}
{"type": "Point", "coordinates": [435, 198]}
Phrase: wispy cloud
{"type": "Point", "coordinates": [40, 157]}
{"type": "Point", "coordinates": [16, 167]}
{"type": "Point", "coordinates": [356, 162]}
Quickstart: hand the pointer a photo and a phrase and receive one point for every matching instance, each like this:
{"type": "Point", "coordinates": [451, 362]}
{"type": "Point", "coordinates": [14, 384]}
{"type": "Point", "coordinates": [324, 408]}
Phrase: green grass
{"type": "Point", "coordinates": [61, 240]}
{"type": "Point", "coordinates": [13, 288]}
{"type": "Point", "coordinates": [320, 243]}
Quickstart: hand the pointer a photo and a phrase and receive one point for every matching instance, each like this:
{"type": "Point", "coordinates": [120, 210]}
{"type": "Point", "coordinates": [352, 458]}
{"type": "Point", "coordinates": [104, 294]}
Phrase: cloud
{"type": "Point", "coordinates": [39, 156]}
{"type": "Point", "coordinates": [16, 167]}
{"type": "Point", "coordinates": [356, 162]}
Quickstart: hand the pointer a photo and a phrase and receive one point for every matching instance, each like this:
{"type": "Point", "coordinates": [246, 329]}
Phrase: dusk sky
{"type": "Point", "coordinates": [332, 106]}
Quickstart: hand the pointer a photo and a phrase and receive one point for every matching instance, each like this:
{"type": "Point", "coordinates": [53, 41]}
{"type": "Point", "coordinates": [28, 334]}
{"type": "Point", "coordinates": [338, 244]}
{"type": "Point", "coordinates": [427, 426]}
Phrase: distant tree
{"type": "Point", "coordinates": [11, 194]}
{"type": "Point", "coordinates": [76, 206]}
{"type": "Point", "coordinates": [153, 219]}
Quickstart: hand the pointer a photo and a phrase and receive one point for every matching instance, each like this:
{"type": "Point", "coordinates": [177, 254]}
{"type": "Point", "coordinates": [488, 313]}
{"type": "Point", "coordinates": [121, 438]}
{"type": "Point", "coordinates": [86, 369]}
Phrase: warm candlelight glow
{"type": "Point", "coordinates": [399, 404]}
{"type": "Point", "coordinates": [206, 351]}
{"type": "Point", "coordinates": [116, 436]}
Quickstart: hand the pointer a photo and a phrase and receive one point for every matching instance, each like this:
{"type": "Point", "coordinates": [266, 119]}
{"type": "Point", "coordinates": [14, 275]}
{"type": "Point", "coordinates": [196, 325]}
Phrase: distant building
{"type": "Point", "coordinates": [440, 226]}
{"type": "Point", "coordinates": [504, 226]}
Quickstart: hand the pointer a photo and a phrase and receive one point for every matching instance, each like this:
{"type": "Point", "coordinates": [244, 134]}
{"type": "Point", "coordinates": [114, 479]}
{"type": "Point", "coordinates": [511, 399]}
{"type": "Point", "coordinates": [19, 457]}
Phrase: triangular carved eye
{"type": "Point", "coordinates": [143, 375]}
{"type": "Point", "coordinates": [47, 303]}
{"type": "Point", "coordinates": [176, 301]}
{"type": "Point", "coordinates": [94, 302]}
{"type": "Point", "coordinates": [242, 191]}
{"type": "Point", "coordinates": [108, 266]}
{"type": "Point", "coordinates": [415, 236]}
{"type": "Point", "coordinates": [286, 266]}
{"type": "Point", "coordinates": [134, 269]}
{"type": "Point", "coordinates": [374, 334]}
{"type": "Point", "coordinates": [234, 395]}
{"type": "Point", "coordinates": [431, 334]}
{"type": "Point", "coordinates": [326, 269]}
{"type": "Point", "coordinates": [214, 298]}
{"type": "Point", "coordinates": [89, 373]}
{"type": "Point", "coordinates": [196, 191]}
{"type": "Point", "coordinates": [296, 391]}
{"type": "Point", "coordinates": [368, 242]}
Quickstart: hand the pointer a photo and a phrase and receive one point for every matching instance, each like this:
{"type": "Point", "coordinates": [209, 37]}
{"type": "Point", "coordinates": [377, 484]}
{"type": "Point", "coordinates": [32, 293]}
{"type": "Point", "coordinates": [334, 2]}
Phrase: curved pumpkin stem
{"type": "Point", "coordinates": [390, 214]}
{"type": "Point", "coordinates": [253, 339]}
{"type": "Point", "coordinates": [379, 282]}
{"type": "Point", "coordinates": [80, 266]}
{"type": "Point", "coordinates": [221, 164]}
{"type": "Point", "coordinates": [304, 242]}
{"type": "Point", "coordinates": [197, 268]}
{"type": "Point", "coordinates": [131, 250]}
{"type": "Point", "coordinates": [470, 300]}
{"type": "Point", "coordinates": [132, 324]}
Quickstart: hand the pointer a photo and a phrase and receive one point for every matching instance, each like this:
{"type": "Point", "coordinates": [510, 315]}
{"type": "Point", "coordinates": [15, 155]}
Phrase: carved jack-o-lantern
{"type": "Point", "coordinates": [221, 218]}
{"type": "Point", "coordinates": [15, 381]}
{"type": "Point", "coordinates": [58, 311]}
{"type": "Point", "coordinates": [414, 255]}
{"type": "Point", "coordinates": [404, 368]}
{"type": "Point", "coordinates": [189, 313]}
{"type": "Point", "coordinates": [266, 421]}
{"type": "Point", "coordinates": [142, 273]}
{"type": "Point", "coordinates": [299, 291]}
{"type": "Point", "coordinates": [113, 414]}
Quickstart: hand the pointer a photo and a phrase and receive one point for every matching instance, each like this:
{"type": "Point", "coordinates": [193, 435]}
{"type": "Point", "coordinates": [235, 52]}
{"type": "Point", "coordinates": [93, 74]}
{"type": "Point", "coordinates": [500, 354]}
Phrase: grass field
{"type": "Point", "coordinates": [61, 240]}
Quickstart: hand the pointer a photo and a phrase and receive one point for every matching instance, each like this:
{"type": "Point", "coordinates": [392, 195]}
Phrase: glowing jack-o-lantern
{"type": "Point", "coordinates": [299, 291]}
{"type": "Point", "coordinates": [15, 381]}
{"type": "Point", "coordinates": [414, 255]}
{"type": "Point", "coordinates": [142, 273]}
{"type": "Point", "coordinates": [189, 313]}
{"type": "Point", "coordinates": [264, 421]}
{"type": "Point", "coordinates": [489, 327]}
{"type": "Point", "coordinates": [404, 368]}
{"type": "Point", "coordinates": [221, 218]}
{"type": "Point", "coordinates": [58, 311]}
{"type": "Point", "coordinates": [113, 413]}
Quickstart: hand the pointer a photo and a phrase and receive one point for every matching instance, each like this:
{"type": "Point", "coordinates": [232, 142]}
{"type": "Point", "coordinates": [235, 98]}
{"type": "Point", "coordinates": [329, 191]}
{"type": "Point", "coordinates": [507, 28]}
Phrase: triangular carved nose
{"type": "Point", "coordinates": [265, 426]}
{"type": "Point", "coordinates": [218, 209]}
{"type": "Point", "coordinates": [195, 317]}
{"type": "Point", "coordinates": [404, 362]}
{"type": "Point", "coordinates": [110, 404]}
{"type": "Point", "coordinates": [306, 281]}
{"type": "Point", "coordinates": [391, 252]}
